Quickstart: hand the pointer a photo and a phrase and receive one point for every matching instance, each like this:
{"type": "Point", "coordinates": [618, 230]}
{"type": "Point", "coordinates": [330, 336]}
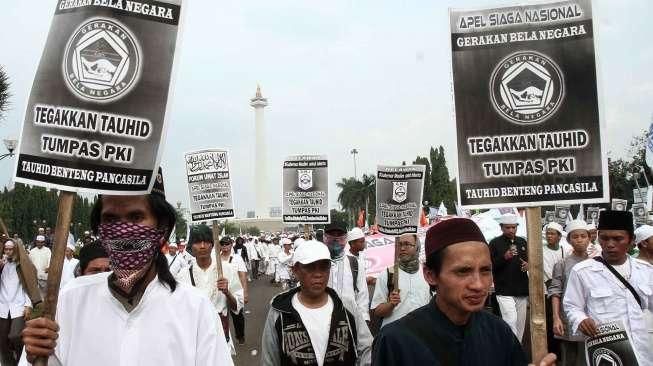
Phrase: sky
{"type": "Point", "coordinates": [373, 75]}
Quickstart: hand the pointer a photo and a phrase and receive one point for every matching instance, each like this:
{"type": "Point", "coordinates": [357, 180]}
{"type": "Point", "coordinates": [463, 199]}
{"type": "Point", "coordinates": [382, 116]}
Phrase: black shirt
{"type": "Point", "coordinates": [426, 336]}
{"type": "Point", "coordinates": [509, 279]}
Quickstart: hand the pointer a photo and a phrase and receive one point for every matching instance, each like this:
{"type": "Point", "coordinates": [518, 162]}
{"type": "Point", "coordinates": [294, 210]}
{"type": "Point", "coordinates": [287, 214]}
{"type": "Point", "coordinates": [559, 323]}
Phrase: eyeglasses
{"type": "Point", "coordinates": [406, 245]}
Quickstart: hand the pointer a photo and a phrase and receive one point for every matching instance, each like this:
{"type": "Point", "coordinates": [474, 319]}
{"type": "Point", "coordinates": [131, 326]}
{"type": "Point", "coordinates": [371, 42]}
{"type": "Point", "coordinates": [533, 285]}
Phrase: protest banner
{"type": "Point", "coordinates": [592, 215]}
{"type": "Point", "coordinates": [643, 195]}
{"type": "Point", "coordinates": [209, 185]}
{"type": "Point", "coordinates": [611, 346]}
{"type": "Point", "coordinates": [640, 213]}
{"type": "Point", "coordinates": [618, 204]}
{"type": "Point", "coordinates": [399, 192]}
{"type": "Point", "coordinates": [562, 214]}
{"type": "Point", "coordinates": [526, 106]}
{"type": "Point", "coordinates": [96, 113]}
{"type": "Point", "coordinates": [527, 117]}
{"type": "Point", "coordinates": [305, 184]}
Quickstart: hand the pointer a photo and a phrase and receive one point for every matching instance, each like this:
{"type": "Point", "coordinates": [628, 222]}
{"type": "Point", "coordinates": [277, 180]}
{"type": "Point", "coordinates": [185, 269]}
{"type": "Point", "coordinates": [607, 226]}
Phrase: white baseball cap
{"type": "Point", "coordinates": [555, 226]}
{"type": "Point", "coordinates": [355, 234]}
{"type": "Point", "coordinates": [299, 241]}
{"type": "Point", "coordinates": [642, 233]}
{"type": "Point", "coordinates": [311, 251]}
{"type": "Point", "coordinates": [576, 225]}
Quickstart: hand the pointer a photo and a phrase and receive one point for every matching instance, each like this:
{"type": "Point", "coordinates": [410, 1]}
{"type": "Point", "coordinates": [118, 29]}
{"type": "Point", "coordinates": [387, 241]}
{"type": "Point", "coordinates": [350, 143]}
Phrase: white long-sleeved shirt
{"type": "Point", "coordinates": [594, 292]}
{"type": "Point", "coordinates": [13, 298]}
{"type": "Point", "coordinates": [176, 263]}
{"type": "Point", "coordinates": [206, 280]}
{"type": "Point", "coordinates": [414, 293]}
{"type": "Point", "coordinates": [68, 271]}
{"type": "Point", "coordinates": [164, 329]}
{"type": "Point", "coordinates": [40, 257]}
{"type": "Point", "coordinates": [283, 269]}
{"type": "Point", "coordinates": [341, 280]}
{"type": "Point", "coordinates": [252, 253]}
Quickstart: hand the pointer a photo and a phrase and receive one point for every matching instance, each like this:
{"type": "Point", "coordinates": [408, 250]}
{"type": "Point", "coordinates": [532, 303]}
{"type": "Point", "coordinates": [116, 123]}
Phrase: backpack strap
{"type": "Point", "coordinates": [192, 278]}
{"type": "Point", "coordinates": [353, 264]}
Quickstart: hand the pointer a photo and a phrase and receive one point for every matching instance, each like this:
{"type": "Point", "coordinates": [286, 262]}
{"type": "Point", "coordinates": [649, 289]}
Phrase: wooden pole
{"type": "Point", "coordinates": [216, 247]}
{"type": "Point", "coordinates": [395, 276]}
{"type": "Point", "coordinates": [4, 228]}
{"type": "Point", "coordinates": [536, 283]}
{"type": "Point", "coordinates": [61, 231]}
{"type": "Point", "coordinates": [307, 231]}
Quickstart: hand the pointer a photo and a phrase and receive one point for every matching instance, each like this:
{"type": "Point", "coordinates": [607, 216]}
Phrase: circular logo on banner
{"type": "Point", "coordinates": [102, 61]}
{"type": "Point", "coordinates": [526, 87]}
{"type": "Point", "coordinates": [604, 356]}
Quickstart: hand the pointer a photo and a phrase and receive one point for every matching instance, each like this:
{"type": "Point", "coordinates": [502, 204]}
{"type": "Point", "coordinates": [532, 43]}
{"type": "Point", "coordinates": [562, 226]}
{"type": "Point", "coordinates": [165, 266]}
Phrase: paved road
{"type": "Point", "coordinates": [260, 294]}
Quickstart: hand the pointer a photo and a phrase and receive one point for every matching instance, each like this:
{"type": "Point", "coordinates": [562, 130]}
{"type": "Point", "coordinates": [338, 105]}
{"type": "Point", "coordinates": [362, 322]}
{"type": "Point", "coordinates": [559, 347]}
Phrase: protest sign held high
{"type": "Point", "coordinates": [306, 189]}
{"type": "Point", "coordinates": [619, 204]}
{"type": "Point", "coordinates": [527, 110]}
{"type": "Point", "coordinates": [209, 185]}
{"type": "Point", "coordinates": [97, 109]}
{"type": "Point", "coordinates": [399, 198]}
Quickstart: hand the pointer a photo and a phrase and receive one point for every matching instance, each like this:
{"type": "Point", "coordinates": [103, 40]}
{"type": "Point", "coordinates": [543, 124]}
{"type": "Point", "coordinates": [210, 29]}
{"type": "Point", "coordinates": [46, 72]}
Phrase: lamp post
{"type": "Point", "coordinates": [354, 152]}
{"type": "Point", "coordinates": [10, 144]}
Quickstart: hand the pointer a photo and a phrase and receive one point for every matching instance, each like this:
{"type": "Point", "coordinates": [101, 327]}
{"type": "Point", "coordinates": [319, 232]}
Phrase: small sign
{"type": "Point", "coordinates": [399, 198]}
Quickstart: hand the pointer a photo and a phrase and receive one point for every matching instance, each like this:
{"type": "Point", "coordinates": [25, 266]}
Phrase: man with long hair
{"type": "Point", "coordinates": [124, 316]}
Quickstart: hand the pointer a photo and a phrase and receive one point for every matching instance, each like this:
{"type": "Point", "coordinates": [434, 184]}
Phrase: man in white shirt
{"type": "Point", "coordinates": [69, 265]}
{"type": "Point", "coordinates": [229, 256]}
{"type": "Point", "coordinates": [226, 292]}
{"type": "Point", "coordinates": [138, 307]}
{"type": "Point", "coordinates": [595, 295]}
{"type": "Point", "coordinates": [413, 292]}
{"type": "Point", "coordinates": [356, 240]}
{"type": "Point", "coordinates": [349, 284]}
{"type": "Point", "coordinates": [40, 256]}
{"type": "Point", "coordinates": [175, 261]}
{"type": "Point", "coordinates": [253, 254]}
{"type": "Point", "coordinates": [15, 307]}
{"type": "Point", "coordinates": [310, 324]}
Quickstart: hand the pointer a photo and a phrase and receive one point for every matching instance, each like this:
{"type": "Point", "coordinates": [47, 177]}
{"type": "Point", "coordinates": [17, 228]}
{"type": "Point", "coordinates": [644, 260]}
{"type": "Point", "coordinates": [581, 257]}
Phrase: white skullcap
{"type": "Point", "coordinates": [9, 244]}
{"type": "Point", "coordinates": [591, 226]}
{"type": "Point", "coordinates": [172, 245]}
{"type": "Point", "coordinates": [555, 226]}
{"type": "Point", "coordinates": [642, 233]}
{"type": "Point", "coordinates": [71, 246]}
{"type": "Point", "coordinates": [508, 219]}
{"type": "Point", "coordinates": [355, 234]}
{"type": "Point", "coordinates": [40, 238]}
{"type": "Point", "coordinates": [286, 241]}
{"type": "Point", "coordinates": [576, 225]}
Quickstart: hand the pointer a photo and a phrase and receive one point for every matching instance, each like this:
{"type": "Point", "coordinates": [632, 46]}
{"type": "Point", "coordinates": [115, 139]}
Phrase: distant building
{"type": "Point", "coordinates": [275, 211]}
{"type": "Point", "coordinates": [251, 214]}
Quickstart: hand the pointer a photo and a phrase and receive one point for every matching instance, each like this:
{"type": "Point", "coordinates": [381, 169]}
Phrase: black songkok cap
{"type": "Point", "coordinates": [449, 232]}
{"type": "Point", "coordinates": [616, 220]}
{"type": "Point", "coordinates": [158, 188]}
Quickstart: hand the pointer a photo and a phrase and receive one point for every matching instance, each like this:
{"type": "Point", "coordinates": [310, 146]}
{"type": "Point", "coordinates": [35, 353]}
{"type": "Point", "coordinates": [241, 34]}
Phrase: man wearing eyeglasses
{"type": "Point", "coordinates": [391, 304]}
{"type": "Point", "coordinates": [346, 278]}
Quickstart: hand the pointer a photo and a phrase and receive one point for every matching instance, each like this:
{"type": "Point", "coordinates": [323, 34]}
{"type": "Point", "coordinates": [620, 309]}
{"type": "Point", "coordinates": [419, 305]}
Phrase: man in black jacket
{"type": "Point", "coordinates": [509, 268]}
{"type": "Point", "coordinates": [452, 330]}
{"type": "Point", "coordinates": [310, 324]}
